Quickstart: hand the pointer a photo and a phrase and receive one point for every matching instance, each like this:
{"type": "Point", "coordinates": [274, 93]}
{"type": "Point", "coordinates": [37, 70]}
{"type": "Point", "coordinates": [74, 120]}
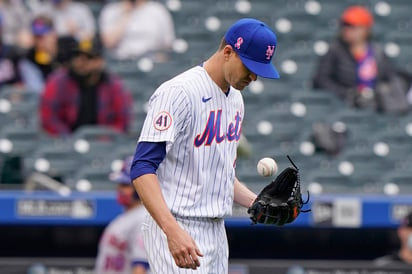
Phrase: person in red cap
{"type": "Point", "coordinates": [358, 16]}
{"type": "Point", "coordinates": [404, 253]}
{"type": "Point", "coordinates": [355, 68]}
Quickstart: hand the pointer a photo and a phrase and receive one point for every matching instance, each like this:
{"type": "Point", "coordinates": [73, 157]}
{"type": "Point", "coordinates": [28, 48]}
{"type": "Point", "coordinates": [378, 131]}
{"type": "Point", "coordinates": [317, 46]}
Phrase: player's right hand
{"type": "Point", "coordinates": [183, 249]}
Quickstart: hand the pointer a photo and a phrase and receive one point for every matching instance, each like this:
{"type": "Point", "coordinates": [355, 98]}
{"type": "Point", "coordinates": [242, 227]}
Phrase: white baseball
{"type": "Point", "coordinates": [267, 167]}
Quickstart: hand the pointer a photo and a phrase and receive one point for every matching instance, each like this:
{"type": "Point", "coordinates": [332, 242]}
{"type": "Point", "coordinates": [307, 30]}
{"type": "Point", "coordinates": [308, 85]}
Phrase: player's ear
{"type": "Point", "coordinates": [228, 51]}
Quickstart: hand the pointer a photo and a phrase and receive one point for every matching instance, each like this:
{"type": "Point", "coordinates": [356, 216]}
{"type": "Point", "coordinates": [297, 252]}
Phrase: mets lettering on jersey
{"type": "Point", "coordinates": [201, 126]}
{"type": "Point", "coordinates": [213, 130]}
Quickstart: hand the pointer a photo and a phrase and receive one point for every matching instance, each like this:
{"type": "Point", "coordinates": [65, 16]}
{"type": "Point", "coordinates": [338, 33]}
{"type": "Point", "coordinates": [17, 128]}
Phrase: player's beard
{"type": "Point", "coordinates": [81, 78]}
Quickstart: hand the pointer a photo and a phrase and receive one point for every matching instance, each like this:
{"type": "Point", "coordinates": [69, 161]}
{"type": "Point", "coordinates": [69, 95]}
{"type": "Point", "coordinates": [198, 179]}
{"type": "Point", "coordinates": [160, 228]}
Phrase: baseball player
{"type": "Point", "coordinates": [121, 249]}
{"type": "Point", "coordinates": [184, 164]}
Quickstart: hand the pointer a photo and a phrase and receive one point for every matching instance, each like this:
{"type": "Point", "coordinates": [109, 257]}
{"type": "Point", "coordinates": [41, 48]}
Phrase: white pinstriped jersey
{"type": "Point", "coordinates": [121, 244]}
{"type": "Point", "coordinates": [201, 126]}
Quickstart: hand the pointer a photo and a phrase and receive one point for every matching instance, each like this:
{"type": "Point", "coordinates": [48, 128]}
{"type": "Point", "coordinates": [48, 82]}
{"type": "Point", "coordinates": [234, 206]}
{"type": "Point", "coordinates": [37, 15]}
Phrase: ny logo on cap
{"type": "Point", "coordinates": [269, 52]}
{"type": "Point", "coordinates": [239, 42]}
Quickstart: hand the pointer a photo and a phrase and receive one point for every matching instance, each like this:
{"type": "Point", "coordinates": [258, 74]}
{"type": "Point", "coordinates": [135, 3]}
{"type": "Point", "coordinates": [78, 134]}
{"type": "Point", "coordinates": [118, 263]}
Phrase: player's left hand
{"type": "Point", "coordinates": [280, 202]}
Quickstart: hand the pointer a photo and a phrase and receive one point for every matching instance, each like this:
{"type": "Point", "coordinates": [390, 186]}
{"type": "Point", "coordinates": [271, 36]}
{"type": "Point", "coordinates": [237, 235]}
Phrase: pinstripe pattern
{"type": "Point", "coordinates": [196, 180]}
{"type": "Point", "coordinates": [209, 235]}
{"type": "Point", "coordinates": [201, 126]}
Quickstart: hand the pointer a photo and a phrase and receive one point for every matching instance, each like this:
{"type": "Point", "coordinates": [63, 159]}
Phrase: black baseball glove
{"type": "Point", "coordinates": [280, 202]}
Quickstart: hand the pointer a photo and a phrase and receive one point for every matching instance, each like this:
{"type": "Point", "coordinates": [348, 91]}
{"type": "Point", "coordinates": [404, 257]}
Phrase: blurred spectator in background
{"type": "Point", "coordinates": [64, 54]}
{"type": "Point", "coordinates": [132, 28]}
{"type": "Point", "coordinates": [16, 23]}
{"type": "Point", "coordinates": [40, 60]}
{"type": "Point", "coordinates": [121, 248]}
{"type": "Point", "coordinates": [404, 254]}
{"type": "Point", "coordinates": [356, 69]}
{"type": "Point", "coordinates": [84, 93]}
{"type": "Point", "coordinates": [70, 18]}
{"type": "Point", "coordinates": [9, 72]}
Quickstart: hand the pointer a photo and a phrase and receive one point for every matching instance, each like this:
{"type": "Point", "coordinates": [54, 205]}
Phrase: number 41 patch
{"type": "Point", "coordinates": [162, 121]}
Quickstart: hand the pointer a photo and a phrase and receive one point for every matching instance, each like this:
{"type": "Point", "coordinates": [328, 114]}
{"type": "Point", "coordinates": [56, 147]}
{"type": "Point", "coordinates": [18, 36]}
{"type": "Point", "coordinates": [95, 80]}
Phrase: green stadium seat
{"type": "Point", "coordinates": [16, 142]}
{"type": "Point", "coordinates": [124, 68]}
{"type": "Point", "coordinates": [11, 171]}
{"type": "Point", "coordinates": [368, 168]}
{"type": "Point", "coordinates": [59, 162]}
{"type": "Point", "coordinates": [317, 103]}
{"type": "Point", "coordinates": [97, 133]}
{"type": "Point", "coordinates": [266, 94]}
{"type": "Point", "coordinates": [330, 12]}
{"type": "Point", "coordinates": [17, 106]}
{"type": "Point", "coordinates": [403, 179]}
{"type": "Point", "coordinates": [19, 140]}
{"type": "Point", "coordinates": [95, 143]}
{"type": "Point", "coordinates": [397, 141]}
{"type": "Point", "coordinates": [122, 151]}
{"type": "Point", "coordinates": [360, 124]}
{"type": "Point", "coordinates": [302, 25]}
{"type": "Point", "coordinates": [330, 181]}
{"type": "Point", "coordinates": [90, 178]}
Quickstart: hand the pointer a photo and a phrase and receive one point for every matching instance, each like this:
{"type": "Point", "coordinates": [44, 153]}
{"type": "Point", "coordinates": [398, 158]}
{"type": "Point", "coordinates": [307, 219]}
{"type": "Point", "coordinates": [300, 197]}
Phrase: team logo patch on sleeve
{"type": "Point", "coordinates": [162, 121]}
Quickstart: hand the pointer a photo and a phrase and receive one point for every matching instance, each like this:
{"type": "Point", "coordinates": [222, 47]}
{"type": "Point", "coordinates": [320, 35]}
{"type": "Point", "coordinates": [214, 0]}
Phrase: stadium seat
{"type": "Point", "coordinates": [402, 179]}
{"type": "Point", "coordinates": [97, 133]}
{"type": "Point", "coordinates": [360, 124]}
{"type": "Point", "coordinates": [330, 182]}
{"type": "Point", "coordinates": [90, 178]}
{"type": "Point", "coordinates": [330, 12]}
{"type": "Point", "coordinates": [267, 94]}
{"type": "Point", "coordinates": [394, 144]}
{"type": "Point", "coordinates": [301, 25]}
{"type": "Point", "coordinates": [17, 106]}
{"type": "Point", "coordinates": [124, 68]}
{"type": "Point", "coordinates": [95, 143]}
{"type": "Point", "coordinates": [16, 143]}
{"type": "Point", "coordinates": [17, 94]}
{"type": "Point", "coordinates": [327, 35]}
{"type": "Point", "coordinates": [18, 140]}
{"type": "Point", "coordinates": [122, 151]}
{"type": "Point", "coordinates": [272, 125]}
{"type": "Point", "coordinates": [11, 171]}
{"type": "Point", "coordinates": [364, 168]}
{"type": "Point", "coordinates": [58, 161]}
{"type": "Point", "coordinates": [316, 104]}
{"type": "Point", "coordinates": [398, 10]}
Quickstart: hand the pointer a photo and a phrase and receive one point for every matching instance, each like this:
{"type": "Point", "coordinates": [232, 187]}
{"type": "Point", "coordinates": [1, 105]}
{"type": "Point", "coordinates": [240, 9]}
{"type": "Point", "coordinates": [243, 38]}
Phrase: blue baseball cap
{"type": "Point", "coordinates": [41, 26]}
{"type": "Point", "coordinates": [123, 175]}
{"type": "Point", "coordinates": [255, 43]}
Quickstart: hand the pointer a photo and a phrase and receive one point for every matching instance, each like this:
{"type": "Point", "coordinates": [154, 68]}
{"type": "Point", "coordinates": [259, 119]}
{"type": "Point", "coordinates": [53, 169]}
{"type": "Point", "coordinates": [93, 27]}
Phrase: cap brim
{"type": "Point", "coordinates": [119, 178]}
{"type": "Point", "coordinates": [88, 53]}
{"type": "Point", "coordinates": [41, 32]}
{"type": "Point", "coordinates": [267, 70]}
